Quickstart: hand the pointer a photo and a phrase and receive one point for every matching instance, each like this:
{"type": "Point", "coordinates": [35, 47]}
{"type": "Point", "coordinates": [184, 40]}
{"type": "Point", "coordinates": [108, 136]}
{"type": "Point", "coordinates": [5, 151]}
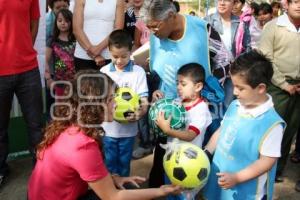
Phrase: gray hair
{"type": "Point", "coordinates": [156, 10]}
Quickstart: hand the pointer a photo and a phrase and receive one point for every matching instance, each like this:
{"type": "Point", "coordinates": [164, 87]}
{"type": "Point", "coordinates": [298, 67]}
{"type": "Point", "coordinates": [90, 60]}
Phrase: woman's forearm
{"type": "Point", "coordinates": [78, 18]}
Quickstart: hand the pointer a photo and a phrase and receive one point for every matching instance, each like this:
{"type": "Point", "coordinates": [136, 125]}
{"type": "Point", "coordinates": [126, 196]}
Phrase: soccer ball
{"type": "Point", "coordinates": [187, 165]}
{"type": "Point", "coordinates": [127, 102]}
{"type": "Point", "coordinates": [170, 107]}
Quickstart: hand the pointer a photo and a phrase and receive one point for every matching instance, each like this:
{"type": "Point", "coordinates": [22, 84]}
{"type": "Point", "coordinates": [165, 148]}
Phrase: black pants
{"type": "Point", "coordinates": [90, 195]}
{"type": "Point", "coordinates": [82, 64]}
{"type": "Point", "coordinates": [264, 197]}
{"type": "Point", "coordinates": [156, 177]}
{"type": "Point", "coordinates": [297, 146]}
{"type": "Point", "coordinates": [28, 89]}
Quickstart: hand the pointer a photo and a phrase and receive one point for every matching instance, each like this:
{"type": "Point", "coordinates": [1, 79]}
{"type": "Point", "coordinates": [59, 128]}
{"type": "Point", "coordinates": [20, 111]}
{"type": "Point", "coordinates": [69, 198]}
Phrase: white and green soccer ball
{"type": "Point", "coordinates": [170, 107]}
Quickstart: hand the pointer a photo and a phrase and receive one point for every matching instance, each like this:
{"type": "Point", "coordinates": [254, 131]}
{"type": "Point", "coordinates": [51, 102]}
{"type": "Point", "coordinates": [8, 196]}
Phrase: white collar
{"type": "Point", "coordinates": [257, 111]}
{"type": "Point", "coordinates": [284, 20]}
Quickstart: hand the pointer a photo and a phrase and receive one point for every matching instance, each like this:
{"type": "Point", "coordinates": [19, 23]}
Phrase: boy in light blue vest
{"type": "Point", "coordinates": [247, 145]}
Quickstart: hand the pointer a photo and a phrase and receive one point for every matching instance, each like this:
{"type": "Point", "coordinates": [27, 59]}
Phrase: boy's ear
{"type": "Point", "coordinates": [262, 88]}
{"type": "Point", "coordinates": [199, 86]}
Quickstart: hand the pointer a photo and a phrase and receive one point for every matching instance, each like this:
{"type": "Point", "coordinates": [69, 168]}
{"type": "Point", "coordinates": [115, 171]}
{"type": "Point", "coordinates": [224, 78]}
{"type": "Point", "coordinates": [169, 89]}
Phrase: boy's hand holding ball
{"type": "Point", "coordinates": [162, 123]}
{"type": "Point", "coordinates": [227, 180]}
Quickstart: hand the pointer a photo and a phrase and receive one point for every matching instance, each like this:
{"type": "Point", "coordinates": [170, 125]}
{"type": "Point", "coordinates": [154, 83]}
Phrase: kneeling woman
{"type": "Point", "coordinates": [69, 158]}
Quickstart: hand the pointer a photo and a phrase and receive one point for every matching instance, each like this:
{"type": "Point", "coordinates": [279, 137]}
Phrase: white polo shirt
{"type": "Point", "coordinates": [134, 77]}
{"type": "Point", "coordinates": [198, 119]}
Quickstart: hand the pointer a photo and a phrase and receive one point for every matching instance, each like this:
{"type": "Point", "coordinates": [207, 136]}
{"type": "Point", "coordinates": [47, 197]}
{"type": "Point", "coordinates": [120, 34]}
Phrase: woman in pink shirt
{"type": "Point", "coordinates": [69, 158]}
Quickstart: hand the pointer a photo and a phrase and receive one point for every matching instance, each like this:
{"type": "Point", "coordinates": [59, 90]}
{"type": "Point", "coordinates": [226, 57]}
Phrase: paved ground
{"type": "Point", "coordinates": [15, 187]}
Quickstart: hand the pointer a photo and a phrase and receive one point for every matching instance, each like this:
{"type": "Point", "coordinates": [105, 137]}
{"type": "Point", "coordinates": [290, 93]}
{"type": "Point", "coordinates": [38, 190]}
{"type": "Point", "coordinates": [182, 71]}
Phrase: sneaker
{"type": "Point", "coordinates": [297, 186]}
{"type": "Point", "coordinates": [140, 152]}
{"type": "Point", "coordinates": [279, 177]}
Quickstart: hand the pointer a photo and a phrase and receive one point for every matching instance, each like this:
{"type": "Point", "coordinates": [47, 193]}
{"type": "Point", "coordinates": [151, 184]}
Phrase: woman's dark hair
{"type": "Point", "coordinates": [84, 106]}
{"type": "Point", "coordinates": [51, 2]}
{"type": "Point", "coordinates": [266, 8]}
{"type": "Point", "coordinates": [255, 8]}
{"type": "Point", "coordinates": [67, 14]}
{"type": "Point", "coordinates": [254, 67]}
{"type": "Point", "coordinates": [193, 70]}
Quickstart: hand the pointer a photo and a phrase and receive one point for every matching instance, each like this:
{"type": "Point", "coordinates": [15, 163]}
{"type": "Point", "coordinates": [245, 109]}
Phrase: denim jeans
{"type": "Point", "coordinates": [118, 153]}
{"type": "Point", "coordinates": [28, 89]}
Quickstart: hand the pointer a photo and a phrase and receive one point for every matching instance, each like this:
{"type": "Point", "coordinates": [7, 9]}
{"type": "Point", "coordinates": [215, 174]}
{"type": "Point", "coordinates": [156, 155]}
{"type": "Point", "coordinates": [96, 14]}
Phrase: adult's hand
{"type": "Point", "coordinates": [49, 82]}
{"type": "Point", "coordinates": [93, 51]}
{"type": "Point", "coordinates": [120, 181]}
{"type": "Point", "coordinates": [99, 60]}
{"type": "Point", "coordinates": [291, 89]}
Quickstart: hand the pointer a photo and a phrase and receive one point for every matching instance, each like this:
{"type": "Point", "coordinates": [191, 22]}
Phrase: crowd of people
{"type": "Point", "coordinates": [236, 72]}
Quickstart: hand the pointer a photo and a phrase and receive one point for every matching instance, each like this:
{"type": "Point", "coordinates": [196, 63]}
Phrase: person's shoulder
{"type": "Point", "coordinates": [201, 107]}
{"type": "Point", "coordinates": [138, 68]}
{"type": "Point", "coordinates": [50, 18]}
{"type": "Point", "coordinates": [105, 68]}
{"type": "Point", "coordinates": [49, 15]}
{"type": "Point", "coordinates": [271, 24]}
{"type": "Point", "coordinates": [234, 17]}
{"type": "Point", "coordinates": [194, 18]}
{"type": "Point", "coordinates": [79, 138]}
{"type": "Point", "coordinates": [196, 22]}
{"type": "Point", "coordinates": [274, 115]}
{"type": "Point", "coordinates": [203, 104]}
{"type": "Point", "coordinates": [233, 105]}
{"type": "Point", "coordinates": [210, 17]}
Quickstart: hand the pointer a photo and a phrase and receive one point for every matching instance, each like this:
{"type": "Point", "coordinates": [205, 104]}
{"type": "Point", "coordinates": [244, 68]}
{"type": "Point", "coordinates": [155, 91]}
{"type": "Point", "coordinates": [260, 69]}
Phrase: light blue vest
{"type": "Point", "coordinates": [167, 56]}
{"type": "Point", "coordinates": [238, 147]}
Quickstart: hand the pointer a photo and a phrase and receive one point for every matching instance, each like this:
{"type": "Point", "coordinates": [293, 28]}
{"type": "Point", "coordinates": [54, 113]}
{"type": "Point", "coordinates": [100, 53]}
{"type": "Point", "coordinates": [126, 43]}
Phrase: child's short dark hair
{"type": "Point", "coordinates": [242, 1]}
{"type": "Point", "coordinates": [255, 8]}
{"type": "Point", "coordinates": [254, 66]}
{"type": "Point", "coordinates": [51, 2]}
{"type": "Point", "coordinates": [120, 39]}
{"type": "Point", "coordinates": [265, 8]}
{"type": "Point", "coordinates": [193, 70]}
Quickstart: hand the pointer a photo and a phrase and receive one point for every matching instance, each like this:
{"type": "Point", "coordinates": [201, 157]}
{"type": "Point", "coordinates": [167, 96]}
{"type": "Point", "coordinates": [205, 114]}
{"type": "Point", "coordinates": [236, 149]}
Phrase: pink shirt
{"type": "Point", "coordinates": [144, 31]}
{"type": "Point", "coordinates": [66, 166]}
